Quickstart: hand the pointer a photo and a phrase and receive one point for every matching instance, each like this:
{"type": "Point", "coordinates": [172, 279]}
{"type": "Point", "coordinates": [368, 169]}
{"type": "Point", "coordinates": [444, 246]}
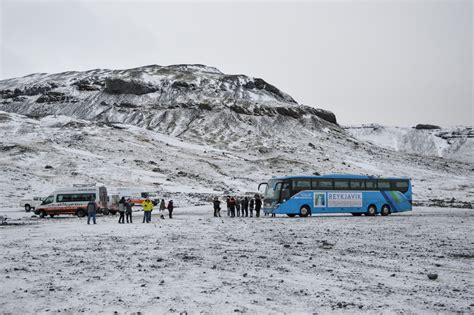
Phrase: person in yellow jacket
{"type": "Point", "coordinates": [147, 209]}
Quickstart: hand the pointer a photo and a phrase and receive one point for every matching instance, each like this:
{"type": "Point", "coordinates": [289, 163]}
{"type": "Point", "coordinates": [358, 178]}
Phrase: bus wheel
{"type": "Point", "coordinates": [304, 211]}
{"type": "Point", "coordinates": [42, 214]}
{"type": "Point", "coordinates": [371, 211]}
{"type": "Point", "coordinates": [385, 210]}
{"type": "Point", "coordinates": [27, 208]}
{"type": "Point", "coordinates": [291, 215]}
{"type": "Point", "coordinates": [81, 213]}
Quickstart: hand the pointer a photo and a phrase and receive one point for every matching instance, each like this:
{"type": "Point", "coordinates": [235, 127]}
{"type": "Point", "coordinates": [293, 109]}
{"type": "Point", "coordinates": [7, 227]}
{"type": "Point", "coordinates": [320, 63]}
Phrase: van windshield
{"type": "Point", "coordinates": [48, 200]}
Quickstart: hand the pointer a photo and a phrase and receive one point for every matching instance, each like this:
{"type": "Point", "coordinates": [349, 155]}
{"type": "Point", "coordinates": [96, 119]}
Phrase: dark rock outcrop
{"type": "Point", "coordinates": [54, 97]}
{"type": "Point", "coordinates": [122, 86]}
{"type": "Point", "coordinates": [426, 127]}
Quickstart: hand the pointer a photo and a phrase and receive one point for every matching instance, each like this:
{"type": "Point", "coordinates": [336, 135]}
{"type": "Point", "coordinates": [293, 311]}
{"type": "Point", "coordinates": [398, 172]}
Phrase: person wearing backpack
{"type": "Point", "coordinates": [128, 210]}
{"type": "Point", "coordinates": [91, 211]}
{"type": "Point", "coordinates": [121, 209]}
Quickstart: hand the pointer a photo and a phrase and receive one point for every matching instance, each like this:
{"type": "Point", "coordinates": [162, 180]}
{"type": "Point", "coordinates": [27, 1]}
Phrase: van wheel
{"type": "Point", "coordinates": [81, 213]}
{"type": "Point", "coordinates": [291, 215]}
{"type": "Point", "coordinates": [42, 214]}
{"type": "Point", "coordinates": [385, 210]}
{"type": "Point", "coordinates": [27, 208]}
{"type": "Point", "coordinates": [304, 211]}
{"type": "Point", "coordinates": [371, 211]}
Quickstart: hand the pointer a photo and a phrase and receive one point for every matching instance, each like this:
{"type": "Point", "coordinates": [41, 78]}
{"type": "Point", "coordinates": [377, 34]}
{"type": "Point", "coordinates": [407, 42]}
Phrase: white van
{"type": "Point", "coordinates": [73, 200]}
{"type": "Point", "coordinates": [30, 203]}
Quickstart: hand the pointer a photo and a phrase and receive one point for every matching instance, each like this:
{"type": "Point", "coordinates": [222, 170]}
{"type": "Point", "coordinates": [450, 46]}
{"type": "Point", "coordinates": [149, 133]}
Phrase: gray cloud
{"type": "Point", "coordinates": [393, 62]}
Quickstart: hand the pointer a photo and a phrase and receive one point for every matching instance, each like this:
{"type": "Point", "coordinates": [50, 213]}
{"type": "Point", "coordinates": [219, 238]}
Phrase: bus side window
{"type": "Point", "coordinates": [383, 184]}
{"type": "Point", "coordinates": [356, 184]}
{"type": "Point", "coordinates": [341, 184]}
{"type": "Point", "coordinates": [370, 185]}
{"type": "Point", "coordinates": [325, 184]}
{"type": "Point", "coordinates": [301, 184]}
{"type": "Point", "coordinates": [400, 185]}
{"type": "Point", "coordinates": [285, 191]}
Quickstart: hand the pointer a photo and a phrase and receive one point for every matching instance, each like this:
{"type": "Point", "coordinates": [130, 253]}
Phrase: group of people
{"type": "Point", "coordinates": [148, 208]}
{"type": "Point", "coordinates": [239, 207]}
{"type": "Point", "coordinates": [125, 210]}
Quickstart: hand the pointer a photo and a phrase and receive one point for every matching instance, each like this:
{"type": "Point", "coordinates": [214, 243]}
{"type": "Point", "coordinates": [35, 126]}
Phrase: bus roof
{"type": "Point", "coordinates": [337, 176]}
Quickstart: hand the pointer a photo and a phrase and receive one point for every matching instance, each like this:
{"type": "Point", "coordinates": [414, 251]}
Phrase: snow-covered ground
{"type": "Point", "coordinates": [201, 264]}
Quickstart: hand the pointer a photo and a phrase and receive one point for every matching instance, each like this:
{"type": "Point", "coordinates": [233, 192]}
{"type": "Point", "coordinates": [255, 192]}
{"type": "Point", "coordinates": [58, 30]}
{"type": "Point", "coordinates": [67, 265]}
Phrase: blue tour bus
{"type": "Point", "coordinates": [337, 193]}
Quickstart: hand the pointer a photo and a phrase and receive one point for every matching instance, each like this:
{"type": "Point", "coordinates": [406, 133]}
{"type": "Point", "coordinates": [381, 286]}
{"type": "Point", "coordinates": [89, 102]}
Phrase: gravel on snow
{"type": "Point", "coordinates": [196, 263]}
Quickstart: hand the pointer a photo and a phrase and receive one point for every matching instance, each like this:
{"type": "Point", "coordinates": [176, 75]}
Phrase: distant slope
{"type": "Point", "coordinates": [455, 143]}
{"type": "Point", "coordinates": [188, 131]}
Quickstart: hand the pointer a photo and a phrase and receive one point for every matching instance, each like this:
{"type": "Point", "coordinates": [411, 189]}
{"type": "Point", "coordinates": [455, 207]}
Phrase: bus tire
{"type": "Point", "coordinates": [385, 210]}
{"type": "Point", "coordinates": [371, 211]}
{"type": "Point", "coordinates": [291, 215]}
{"type": "Point", "coordinates": [80, 213]}
{"type": "Point", "coordinates": [27, 208]}
{"type": "Point", "coordinates": [42, 214]}
{"type": "Point", "coordinates": [304, 211]}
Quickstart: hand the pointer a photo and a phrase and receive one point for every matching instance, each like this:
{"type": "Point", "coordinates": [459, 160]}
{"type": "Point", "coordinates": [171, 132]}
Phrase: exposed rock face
{"type": "Point", "coordinates": [157, 97]}
{"type": "Point", "coordinates": [121, 86]}
{"type": "Point", "coordinates": [427, 127]}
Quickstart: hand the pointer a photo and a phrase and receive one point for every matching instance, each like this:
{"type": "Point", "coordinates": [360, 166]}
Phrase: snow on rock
{"type": "Point", "coordinates": [451, 143]}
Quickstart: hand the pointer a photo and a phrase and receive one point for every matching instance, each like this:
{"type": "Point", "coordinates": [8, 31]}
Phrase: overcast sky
{"type": "Point", "coordinates": [390, 62]}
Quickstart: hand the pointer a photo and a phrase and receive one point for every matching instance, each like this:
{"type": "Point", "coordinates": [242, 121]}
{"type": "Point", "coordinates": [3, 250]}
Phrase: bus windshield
{"type": "Point", "coordinates": [271, 192]}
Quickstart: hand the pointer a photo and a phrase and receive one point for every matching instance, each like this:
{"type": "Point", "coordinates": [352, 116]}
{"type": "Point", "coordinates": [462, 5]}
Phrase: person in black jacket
{"type": "Point", "coordinates": [251, 204]}
{"type": "Point", "coordinates": [170, 208]}
{"type": "Point", "coordinates": [217, 207]}
{"type": "Point", "coordinates": [258, 205]}
{"type": "Point", "coordinates": [232, 207]}
{"type": "Point", "coordinates": [121, 209]}
{"type": "Point", "coordinates": [228, 206]}
{"type": "Point", "coordinates": [91, 211]}
{"type": "Point", "coordinates": [237, 206]}
{"type": "Point", "coordinates": [128, 210]}
{"type": "Point", "coordinates": [245, 206]}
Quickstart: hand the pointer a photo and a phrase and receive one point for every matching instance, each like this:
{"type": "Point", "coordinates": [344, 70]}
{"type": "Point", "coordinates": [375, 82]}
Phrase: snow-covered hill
{"type": "Point", "coordinates": [188, 131]}
{"type": "Point", "coordinates": [455, 143]}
